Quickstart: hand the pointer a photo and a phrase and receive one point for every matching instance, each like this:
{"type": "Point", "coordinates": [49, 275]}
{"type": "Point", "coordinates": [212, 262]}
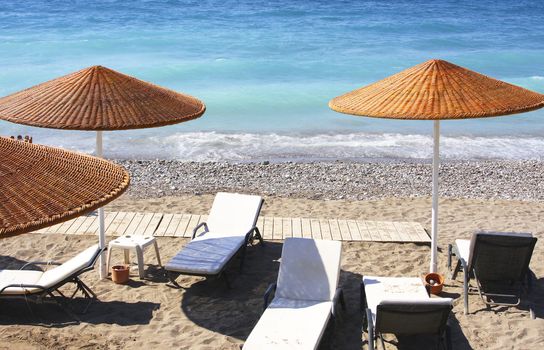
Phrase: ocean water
{"type": "Point", "coordinates": [267, 69]}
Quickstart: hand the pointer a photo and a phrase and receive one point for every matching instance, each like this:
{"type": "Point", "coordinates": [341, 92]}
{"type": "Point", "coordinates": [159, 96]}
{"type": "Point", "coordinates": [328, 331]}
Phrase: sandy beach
{"type": "Point", "coordinates": [206, 315]}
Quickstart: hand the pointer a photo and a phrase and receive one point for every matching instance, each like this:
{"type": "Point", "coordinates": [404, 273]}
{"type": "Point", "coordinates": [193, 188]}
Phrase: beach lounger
{"type": "Point", "coordinates": [230, 227]}
{"type": "Point", "coordinates": [491, 258]}
{"type": "Point", "coordinates": [306, 296]}
{"type": "Point", "coordinates": [26, 283]}
{"type": "Point", "coordinates": [402, 306]}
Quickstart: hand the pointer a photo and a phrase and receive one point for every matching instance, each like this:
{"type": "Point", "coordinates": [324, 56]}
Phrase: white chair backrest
{"type": "Point", "coordinates": [233, 214]}
{"type": "Point", "coordinates": [476, 234]}
{"type": "Point", "coordinates": [309, 269]}
{"type": "Point", "coordinates": [61, 272]}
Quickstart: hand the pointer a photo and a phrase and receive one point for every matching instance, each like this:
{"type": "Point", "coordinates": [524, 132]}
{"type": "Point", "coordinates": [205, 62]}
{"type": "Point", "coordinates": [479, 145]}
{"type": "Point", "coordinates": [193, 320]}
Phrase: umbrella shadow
{"type": "Point", "coordinates": [234, 312]}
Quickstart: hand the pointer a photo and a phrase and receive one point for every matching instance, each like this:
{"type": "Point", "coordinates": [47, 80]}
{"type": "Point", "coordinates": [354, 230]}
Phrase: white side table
{"type": "Point", "coordinates": [138, 243]}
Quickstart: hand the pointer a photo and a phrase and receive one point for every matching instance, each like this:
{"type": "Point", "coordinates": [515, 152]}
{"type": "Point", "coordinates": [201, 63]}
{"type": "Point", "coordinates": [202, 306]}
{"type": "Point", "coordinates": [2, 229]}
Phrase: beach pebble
{"type": "Point", "coordinates": [517, 180]}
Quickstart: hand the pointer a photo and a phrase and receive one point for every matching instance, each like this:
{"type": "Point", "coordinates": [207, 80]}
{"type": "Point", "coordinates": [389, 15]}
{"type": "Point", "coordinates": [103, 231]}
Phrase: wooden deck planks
{"type": "Point", "coordinates": [268, 227]}
{"type": "Point", "coordinates": [287, 228]}
{"type": "Point", "coordinates": [277, 230]}
{"type": "Point", "coordinates": [123, 224]}
{"type": "Point", "coordinates": [306, 228]}
{"type": "Point", "coordinates": [163, 226]}
{"type": "Point", "coordinates": [354, 230]}
{"type": "Point", "coordinates": [316, 229]}
{"type": "Point", "coordinates": [344, 230]}
{"type": "Point", "coordinates": [325, 229]}
{"type": "Point", "coordinates": [192, 222]}
{"type": "Point", "coordinates": [297, 227]}
{"type": "Point", "coordinates": [272, 228]}
{"type": "Point", "coordinates": [335, 229]}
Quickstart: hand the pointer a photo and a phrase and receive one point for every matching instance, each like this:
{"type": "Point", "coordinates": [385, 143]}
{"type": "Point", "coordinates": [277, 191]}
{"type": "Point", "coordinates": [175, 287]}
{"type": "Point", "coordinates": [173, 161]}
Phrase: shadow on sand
{"type": "Point", "coordinates": [244, 301]}
{"type": "Point", "coordinates": [21, 312]}
{"type": "Point", "coordinates": [50, 314]}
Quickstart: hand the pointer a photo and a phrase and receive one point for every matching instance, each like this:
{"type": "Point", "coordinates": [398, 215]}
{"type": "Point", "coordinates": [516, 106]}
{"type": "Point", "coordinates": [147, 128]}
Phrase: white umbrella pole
{"type": "Point", "coordinates": [434, 219]}
{"type": "Point", "coordinates": [102, 234]}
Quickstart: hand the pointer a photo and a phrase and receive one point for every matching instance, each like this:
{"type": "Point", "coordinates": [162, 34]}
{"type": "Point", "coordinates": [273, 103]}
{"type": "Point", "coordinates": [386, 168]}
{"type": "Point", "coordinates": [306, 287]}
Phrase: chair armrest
{"type": "Point", "coordinates": [199, 226]}
{"type": "Point", "coordinates": [338, 298]}
{"type": "Point", "coordinates": [271, 288]}
{"type": "Point", "coordinates": [248, 234]}
{"type": "Point", "coordinates": [464, 264]}
{"type": "Point", "coordinates": [20, 285]}
{"type": "Point", "coordinates": [40, 263]}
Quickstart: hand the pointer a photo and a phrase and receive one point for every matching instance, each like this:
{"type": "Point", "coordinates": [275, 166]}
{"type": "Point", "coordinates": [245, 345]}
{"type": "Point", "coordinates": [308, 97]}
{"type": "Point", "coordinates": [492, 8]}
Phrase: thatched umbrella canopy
{"type": "Point", "coordinates": [42, 186]}
{"type": "Point", "coordinates": [437, 90]}
{"type": "Point", "coordinates": [98, 98]}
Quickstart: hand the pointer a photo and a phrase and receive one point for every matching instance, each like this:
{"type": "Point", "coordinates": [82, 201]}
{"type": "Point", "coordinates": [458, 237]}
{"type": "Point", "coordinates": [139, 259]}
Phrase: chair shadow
{"type": "Point", "coordinates": [533, 300]}
{"type": "Point", "coordinates": [536, 298]}
{"type": "Point", "coordinates": [21, 312]}
{"type": "Point", "coordinates": [417, 342]}
{"type": "Point", "coordinates": [49, 314]}
{"type": "Point", "coordinates": [243, 302]}
{"type": "Point", "coordinates": [11, 263]}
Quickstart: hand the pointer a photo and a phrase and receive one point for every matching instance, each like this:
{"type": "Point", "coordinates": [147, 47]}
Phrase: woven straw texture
{"type": "Point", "coordinates": [437, 89]}
{"type": "Point", "coordinates": [41, 186]}
{"type": "Point", "coordinates": [98, 98]}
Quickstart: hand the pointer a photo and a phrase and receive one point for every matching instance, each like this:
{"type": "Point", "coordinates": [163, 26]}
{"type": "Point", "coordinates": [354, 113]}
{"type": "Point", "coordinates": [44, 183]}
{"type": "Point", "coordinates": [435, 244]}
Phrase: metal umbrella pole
{"type": "Point", "coordinates": [434, 216]}
{"type": "Point", "coordinates": [103, 273]}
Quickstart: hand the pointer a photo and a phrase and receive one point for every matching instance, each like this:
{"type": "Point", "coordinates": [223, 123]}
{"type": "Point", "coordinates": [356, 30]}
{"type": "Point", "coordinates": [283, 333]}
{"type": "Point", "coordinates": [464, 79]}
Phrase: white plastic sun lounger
{"type": "Point", "coordinates": [492, 257]}
{"type": "Point", "coordinates": [25, 283]}
{"type": "Point", "coordinates": [402, 306]}
{"type": "Point", "coordinates": [230, 227]}
{"type": "Point", "coordinates": [306, 296]}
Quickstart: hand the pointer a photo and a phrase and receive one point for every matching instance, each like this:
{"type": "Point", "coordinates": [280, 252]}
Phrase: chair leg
{"type": "Point", "coordinates": [171, 276]}
{"type": "Point", "coordinates": [456, 270]}
{"type": "Point", "coordinates": [140, 257]}
{"type": "Point", "coordinates": [259, 236]}
{"type": "Point", "coordinates": [127, 256]}
{"type": "Point", "coordinates": [382, 341]}
{"type": "Point", "coordinates": [370, 329]}
{"type": "Point", "coordinates": [465, 289]}
{"type": "Point", "coordinates": [108, 261]}
{"type": "Point", "coordinates": [157, 252]}
{"type": "Point", "coordinates": [449, 256]}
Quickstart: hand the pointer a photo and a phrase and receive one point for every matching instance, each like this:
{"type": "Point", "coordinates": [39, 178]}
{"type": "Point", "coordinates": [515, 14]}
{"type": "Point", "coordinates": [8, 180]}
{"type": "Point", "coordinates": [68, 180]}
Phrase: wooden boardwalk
{"type": "Point", "coordinates": [272, 228]}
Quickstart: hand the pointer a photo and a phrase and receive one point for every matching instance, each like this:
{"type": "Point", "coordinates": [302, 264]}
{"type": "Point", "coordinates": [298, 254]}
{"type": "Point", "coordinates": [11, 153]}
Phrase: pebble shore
{"type": "Point", "coordinates": [517, 180]}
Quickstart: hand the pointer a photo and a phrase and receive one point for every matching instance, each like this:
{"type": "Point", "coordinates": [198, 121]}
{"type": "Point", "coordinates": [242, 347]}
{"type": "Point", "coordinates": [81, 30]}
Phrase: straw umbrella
{"type": "Point", "coordinates": [42, 186]}
{"type": "Point", "coordinates": [98, 99]}
{"type": "Point", "coordinates": [437, 90]}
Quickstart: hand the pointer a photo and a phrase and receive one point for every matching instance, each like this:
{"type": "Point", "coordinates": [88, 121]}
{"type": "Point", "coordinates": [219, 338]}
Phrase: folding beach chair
{"type": "Point", "coordinates": [306, 296]}
{"type": "Point", "coordinates": [26, 284]}
{"type": "Point", "coordinates": [402, 306]}
{"type": "Point", "coordinates": [491, 258]}
{"type": "Point", "coordinates": [230, 227]}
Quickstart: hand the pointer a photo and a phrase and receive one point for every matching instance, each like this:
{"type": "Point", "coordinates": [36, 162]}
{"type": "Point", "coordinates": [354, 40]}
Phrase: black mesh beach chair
{"type": "Point", "coordinates": [499, 264]}
{"type": "Point", "coordinates": [402, 306]}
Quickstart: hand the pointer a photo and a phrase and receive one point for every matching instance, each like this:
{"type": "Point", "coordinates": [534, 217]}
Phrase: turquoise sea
{"type": "Point", "coordinates": [267, 69]}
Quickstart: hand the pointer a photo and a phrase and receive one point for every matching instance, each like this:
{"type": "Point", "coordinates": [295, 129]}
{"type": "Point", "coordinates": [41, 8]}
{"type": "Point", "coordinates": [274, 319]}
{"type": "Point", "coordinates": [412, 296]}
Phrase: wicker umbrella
{"type": "Point", "coordinates": [437, 90]}
{"type": "Point", "coordinates": [98, 98]}
{"type": "Point", "coordinates": [42, 186]}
